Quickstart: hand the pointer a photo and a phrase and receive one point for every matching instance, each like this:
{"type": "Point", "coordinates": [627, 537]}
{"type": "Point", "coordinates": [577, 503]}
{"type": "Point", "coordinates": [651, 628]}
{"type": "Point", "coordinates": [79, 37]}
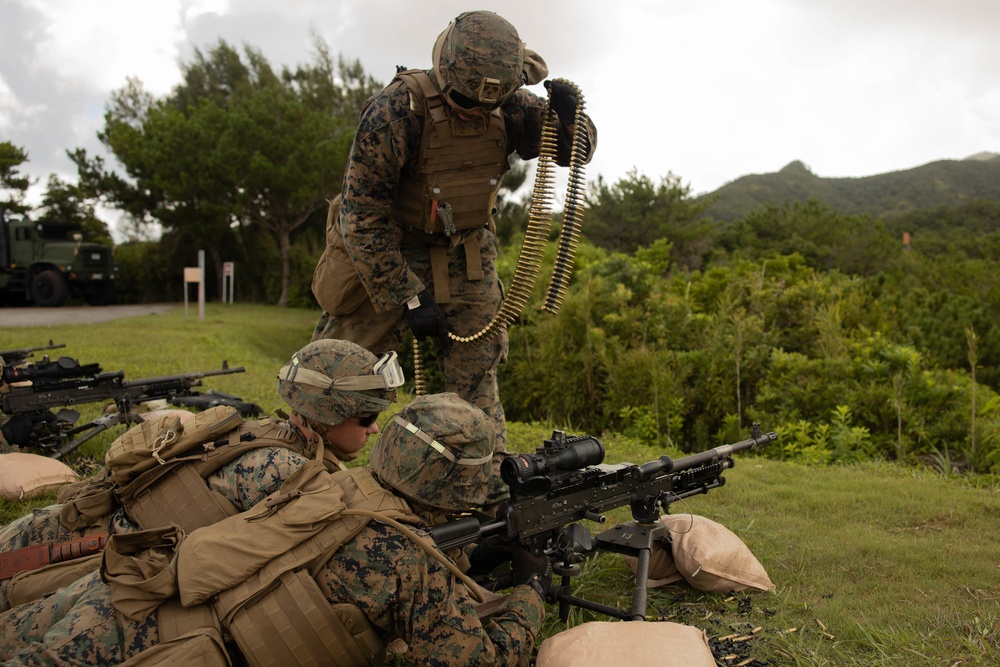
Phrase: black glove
{"type": "Point", "coordinates": [487, 557]}
{"type": "Point", "coordinates": [426, 320]}
{"type": "Point", "coordinates": [531, 570]}
{"type": "Point", "coordinates": [562, 98]}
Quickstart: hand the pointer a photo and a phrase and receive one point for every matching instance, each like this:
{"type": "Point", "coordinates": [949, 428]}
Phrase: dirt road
{"type": "Point", "coordinates": [33, 317]}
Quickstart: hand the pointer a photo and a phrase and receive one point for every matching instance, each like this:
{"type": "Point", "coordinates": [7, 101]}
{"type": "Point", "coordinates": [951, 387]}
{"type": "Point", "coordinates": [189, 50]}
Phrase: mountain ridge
{"type": "Point", "coordinates": [928, 186]}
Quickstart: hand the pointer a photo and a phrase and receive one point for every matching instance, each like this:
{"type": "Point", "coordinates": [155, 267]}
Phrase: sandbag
{"type": "Point", "coordinates": [632, 643]}
{"type": "Point", "coordinates": [709, 556]}
{"type": "Point", "coordinates": [24, 476]}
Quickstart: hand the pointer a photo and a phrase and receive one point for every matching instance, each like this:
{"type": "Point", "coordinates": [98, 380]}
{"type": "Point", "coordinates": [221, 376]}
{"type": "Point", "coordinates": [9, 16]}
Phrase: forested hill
{"type": "Point", "coordinates": [941, 183]}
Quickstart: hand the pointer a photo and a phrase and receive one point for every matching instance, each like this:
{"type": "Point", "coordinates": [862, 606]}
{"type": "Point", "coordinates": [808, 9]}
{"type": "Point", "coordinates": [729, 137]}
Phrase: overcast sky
{"type": "Point", "coordinates": [708, 90]}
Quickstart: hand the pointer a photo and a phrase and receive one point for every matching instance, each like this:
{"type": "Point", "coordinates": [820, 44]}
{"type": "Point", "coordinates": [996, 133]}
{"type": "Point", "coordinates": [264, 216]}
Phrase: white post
{"type": "Point", "coordinates": [201, 284]}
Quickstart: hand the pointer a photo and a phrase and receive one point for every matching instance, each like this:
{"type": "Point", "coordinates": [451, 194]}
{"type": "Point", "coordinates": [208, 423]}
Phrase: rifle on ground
{"type": "Point", "coordinates": [65, 382]}
{"type": "Point", "coordinates": [211, 398]}
{"type": "Point", "coordinates": [21, 354]}
{"type": "Point", "coordinates": [565, 481]}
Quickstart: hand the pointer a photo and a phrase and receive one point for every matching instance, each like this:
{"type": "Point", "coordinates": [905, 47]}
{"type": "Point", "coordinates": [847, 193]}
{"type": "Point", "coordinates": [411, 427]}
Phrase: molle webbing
{"type": "Point", "coordinates": [279, 616]}
{"type": "Point", "coordinates": [176, 492]}
{"type": "Point", "coordinates": [294, 624]}
{"type": "Point", "coordinates": [460, 165]}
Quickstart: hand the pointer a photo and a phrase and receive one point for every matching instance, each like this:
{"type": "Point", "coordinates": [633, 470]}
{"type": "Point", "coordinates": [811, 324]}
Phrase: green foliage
{"type": "Point", "coordinates": [635, 212]}
{"type": "Point", "coordinates": [67, 203]}
{"type": "Point", "coordinates": [13, 185]}
{"type": "Point", "coordinates": [234, 147]}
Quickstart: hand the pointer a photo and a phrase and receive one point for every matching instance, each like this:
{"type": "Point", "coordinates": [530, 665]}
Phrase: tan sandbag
{"type": "Point", "coordinates": [711, 557]}
{"type": "Point", "coordinates": [662, 569]}
{"type": "Point", "coordinates": [706, 554]}
{"type": "Point", "coordinates": [24, 476]}
{"type": "Point", "coordinates": [631, 643]}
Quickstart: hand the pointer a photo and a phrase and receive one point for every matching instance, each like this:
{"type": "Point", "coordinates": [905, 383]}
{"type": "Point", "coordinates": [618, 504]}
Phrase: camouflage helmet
{"type": "Point", "coordinates": [329, 381]}
{"type": "Point", "coordinates": [437, 450]}
{"type": "Point", "coordinates": [479, 59]}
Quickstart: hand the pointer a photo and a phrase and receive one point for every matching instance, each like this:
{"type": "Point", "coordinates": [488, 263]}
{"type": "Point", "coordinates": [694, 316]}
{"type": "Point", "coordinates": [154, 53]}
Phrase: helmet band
{"type": "Point", "coordinates": [438, 447]}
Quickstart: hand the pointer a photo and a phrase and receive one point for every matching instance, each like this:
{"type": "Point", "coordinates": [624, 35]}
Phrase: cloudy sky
{"type": "Point", "coordinates": [708, 90]}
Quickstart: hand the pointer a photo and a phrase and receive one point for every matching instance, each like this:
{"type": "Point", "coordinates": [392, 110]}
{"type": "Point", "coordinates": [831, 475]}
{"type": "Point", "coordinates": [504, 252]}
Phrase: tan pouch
{"type": "Point", "coordinates": [200, 648]}
{"type": "Point", "coordinates": [35, 584]}
{"type": "Point", "coordinates": [336, 284]}
{"type": "Point", "coordinates": [141, 569]}
{"type": "Point", "coordinates": [152, 443]}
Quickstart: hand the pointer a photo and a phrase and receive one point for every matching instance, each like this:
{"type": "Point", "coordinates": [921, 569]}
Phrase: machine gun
{"type": "Point", "coordinates": [21, 354]}
{"type": "Point", "coordinates": [566, 481]}
{"type": "Point", "coordinates": [65, 382]}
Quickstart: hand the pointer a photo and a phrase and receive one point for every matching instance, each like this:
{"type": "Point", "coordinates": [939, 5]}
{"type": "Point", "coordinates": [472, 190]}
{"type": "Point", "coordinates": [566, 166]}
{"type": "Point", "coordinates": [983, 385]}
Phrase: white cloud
{"type": "Point", "coordinates": [100, 48]}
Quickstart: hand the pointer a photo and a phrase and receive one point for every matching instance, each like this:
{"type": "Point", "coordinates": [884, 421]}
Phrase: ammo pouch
{"type": "Point", "coordinates": [335, 283]}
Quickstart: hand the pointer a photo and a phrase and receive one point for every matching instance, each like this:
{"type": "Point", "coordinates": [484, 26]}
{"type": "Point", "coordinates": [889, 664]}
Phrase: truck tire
{"type": "Point", "coordinates": [49, 289]}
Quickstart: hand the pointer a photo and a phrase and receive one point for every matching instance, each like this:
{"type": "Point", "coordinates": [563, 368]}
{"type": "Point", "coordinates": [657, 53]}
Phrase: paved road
{"type": "Point", "coordinates": [32, 317]}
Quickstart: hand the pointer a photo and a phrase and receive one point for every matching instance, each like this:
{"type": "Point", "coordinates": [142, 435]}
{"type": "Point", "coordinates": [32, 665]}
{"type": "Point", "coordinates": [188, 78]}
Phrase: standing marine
{"type": "Point", "coordinates": [411, 238]}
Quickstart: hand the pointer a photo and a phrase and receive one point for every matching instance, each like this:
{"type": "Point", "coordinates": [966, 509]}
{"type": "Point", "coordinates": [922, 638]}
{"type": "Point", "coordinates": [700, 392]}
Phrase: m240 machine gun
{"type": "Point", "coordinates": [565, 481]}
{"type": "Point", "coordinates": [20, 355]}
{"type": "Point", "coordinates": [33, 391]}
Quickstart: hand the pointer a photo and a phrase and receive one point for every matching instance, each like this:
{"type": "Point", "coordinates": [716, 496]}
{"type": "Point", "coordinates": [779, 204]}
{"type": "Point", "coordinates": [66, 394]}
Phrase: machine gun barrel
{"type": "Point", "coordinates": [666, 464]}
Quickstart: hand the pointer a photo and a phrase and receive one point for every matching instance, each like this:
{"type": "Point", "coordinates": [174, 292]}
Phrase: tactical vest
{"type": "Point", "coordinates": [156, 471]}
{"type": "Point", "coordinates": [250, 574]}
{"type": "Point", "coordinates": [459, 165]}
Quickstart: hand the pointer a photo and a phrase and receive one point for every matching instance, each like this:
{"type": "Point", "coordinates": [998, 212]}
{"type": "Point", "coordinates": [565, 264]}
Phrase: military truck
{"type": "Point", "coordinates": [46, 263]}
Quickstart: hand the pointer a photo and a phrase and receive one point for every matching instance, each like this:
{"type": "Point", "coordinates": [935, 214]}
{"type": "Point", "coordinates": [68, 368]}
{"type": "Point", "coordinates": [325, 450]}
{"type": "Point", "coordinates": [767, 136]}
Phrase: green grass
{"type": "Point", "coordinates": [874, 564]}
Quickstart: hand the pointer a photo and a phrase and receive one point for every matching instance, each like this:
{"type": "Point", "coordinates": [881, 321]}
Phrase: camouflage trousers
{"type": "Point", "coordinates": [77, 625]}
{"type": "Point", "coordinates": [38, 527]}
{"type": "Point", "coordinates": [469, 369]}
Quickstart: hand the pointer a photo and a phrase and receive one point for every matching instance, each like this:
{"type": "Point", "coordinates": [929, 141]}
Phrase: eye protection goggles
{"type": "Point", "coordinates": [386, 374]}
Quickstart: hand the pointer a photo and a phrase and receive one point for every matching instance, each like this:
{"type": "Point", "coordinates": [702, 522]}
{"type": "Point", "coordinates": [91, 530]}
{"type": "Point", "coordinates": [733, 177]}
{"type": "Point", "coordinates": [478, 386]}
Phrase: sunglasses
{"type": "Point", "coordinates": [364, 421]}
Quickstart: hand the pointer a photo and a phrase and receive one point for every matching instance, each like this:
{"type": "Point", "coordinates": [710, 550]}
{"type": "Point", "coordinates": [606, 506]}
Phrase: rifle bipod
{"type": "Point", "coordinates": [536, 235]}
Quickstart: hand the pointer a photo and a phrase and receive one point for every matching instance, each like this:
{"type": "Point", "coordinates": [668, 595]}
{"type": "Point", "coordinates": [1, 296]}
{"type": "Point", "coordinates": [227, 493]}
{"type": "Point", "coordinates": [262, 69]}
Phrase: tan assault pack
{"type": "Point", "coordinates": [156, 471]}
{"type": "Point", "coordinates": [250, 574]}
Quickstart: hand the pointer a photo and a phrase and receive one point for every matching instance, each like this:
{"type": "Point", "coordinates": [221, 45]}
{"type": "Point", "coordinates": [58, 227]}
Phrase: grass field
{"type": "Point", "coordinates": [874, 564]}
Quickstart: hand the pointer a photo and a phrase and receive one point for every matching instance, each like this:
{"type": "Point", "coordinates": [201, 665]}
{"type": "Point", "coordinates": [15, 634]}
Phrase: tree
{"type": "Point", "coordinates": [65, 202]}
{"type": "Point", "coordinates": [635, 211]}
{"type": "Point", "coordinates": [12, 183]}
{"type": "Point", "coordinates": [234, 145]}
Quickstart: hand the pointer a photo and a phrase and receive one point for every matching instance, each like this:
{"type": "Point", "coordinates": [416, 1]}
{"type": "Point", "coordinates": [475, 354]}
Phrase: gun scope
{"type": "Point", "coordinates": [60, 369]}
{"type": "Point", "coordinates": [559, 455]}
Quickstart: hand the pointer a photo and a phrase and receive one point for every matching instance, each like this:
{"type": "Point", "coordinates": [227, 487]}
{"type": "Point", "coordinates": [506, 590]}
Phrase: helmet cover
{"type": "Point", "coordinates": [438, 451]}
{"type": "Point", "coordinates": [308, 382]}
{"type": "Point", "coordinates": [480, 57]}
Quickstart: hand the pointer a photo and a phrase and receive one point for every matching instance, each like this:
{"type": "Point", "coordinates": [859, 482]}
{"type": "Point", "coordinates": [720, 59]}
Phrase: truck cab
{"type": "Point", "coordinates": [46, 263]}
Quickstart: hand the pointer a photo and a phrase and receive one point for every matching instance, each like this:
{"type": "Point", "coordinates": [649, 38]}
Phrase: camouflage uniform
{"type": "Point", "coordinates": [394, 266]}
{"type": "Point", "coordinates": [403, 591]}
{"type": "Point", "coordinates": [254, 475]}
